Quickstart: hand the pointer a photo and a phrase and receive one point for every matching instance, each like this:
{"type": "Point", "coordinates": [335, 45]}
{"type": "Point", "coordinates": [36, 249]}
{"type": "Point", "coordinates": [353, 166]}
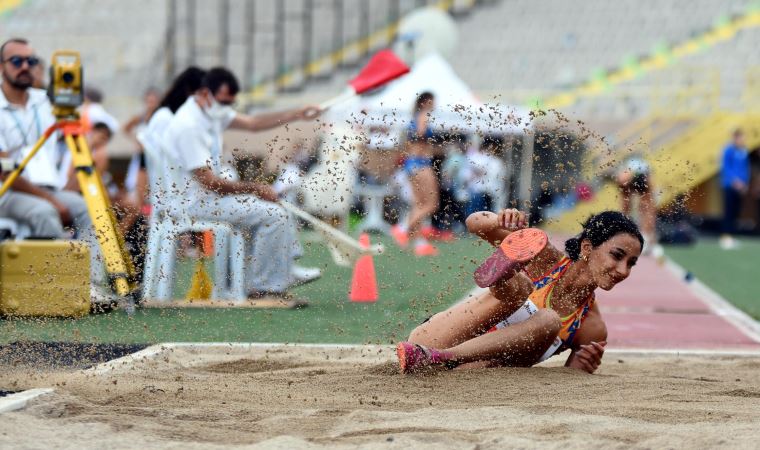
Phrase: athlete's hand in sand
{"type": "Point", "coordinates": [512, 219]}
{"type": "Point", "coordinates": [588, 357]}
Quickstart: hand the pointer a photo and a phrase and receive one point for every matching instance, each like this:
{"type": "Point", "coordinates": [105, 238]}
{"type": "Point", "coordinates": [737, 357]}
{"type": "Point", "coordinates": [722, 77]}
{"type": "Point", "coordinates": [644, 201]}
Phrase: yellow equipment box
{"type": "Point", "coordinates": [44, 278]}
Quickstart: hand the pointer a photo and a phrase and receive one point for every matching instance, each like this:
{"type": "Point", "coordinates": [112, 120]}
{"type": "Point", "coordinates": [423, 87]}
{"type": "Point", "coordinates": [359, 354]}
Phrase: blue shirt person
{"type": "Point", "coordinates": [734, 179]}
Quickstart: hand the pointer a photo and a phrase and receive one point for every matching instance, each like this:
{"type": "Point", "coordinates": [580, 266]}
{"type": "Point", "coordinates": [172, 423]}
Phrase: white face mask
{"type": "Point", "coordinates": [216, 110]}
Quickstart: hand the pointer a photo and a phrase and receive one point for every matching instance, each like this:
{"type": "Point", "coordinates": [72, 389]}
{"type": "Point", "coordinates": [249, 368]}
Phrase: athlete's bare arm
{"type": "Point", "coordinates": [589, 343]}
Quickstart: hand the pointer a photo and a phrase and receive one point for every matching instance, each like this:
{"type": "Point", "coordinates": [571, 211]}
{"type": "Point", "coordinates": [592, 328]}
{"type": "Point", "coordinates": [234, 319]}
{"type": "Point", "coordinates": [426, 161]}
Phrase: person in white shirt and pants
{"type": "Point", "coordinates": [193, 140]}
{"type": "Point", "coordinates": [36, 198]}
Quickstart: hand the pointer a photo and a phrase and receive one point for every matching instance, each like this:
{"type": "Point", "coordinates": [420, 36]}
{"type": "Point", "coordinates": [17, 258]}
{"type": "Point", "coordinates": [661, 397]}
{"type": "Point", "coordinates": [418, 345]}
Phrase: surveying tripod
{"type": "Point", "coordinates": [121, 272]}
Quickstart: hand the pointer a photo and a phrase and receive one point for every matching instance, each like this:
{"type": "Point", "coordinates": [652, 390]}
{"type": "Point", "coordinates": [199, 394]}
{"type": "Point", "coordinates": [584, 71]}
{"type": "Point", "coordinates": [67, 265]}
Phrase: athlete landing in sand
{"type": "Point", "coordinates": [540, 300]}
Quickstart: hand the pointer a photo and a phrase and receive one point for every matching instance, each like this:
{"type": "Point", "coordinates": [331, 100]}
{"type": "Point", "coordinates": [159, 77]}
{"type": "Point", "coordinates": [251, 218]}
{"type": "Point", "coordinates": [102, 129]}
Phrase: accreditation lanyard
{"type": "Point", "coordinates": [20, 127]}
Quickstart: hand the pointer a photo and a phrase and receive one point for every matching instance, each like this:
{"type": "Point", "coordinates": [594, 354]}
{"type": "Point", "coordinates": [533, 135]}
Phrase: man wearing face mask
{"type": "Point", "coordinates": [36, 198]}
{"type": "Point", "coordinates": [193, 140]}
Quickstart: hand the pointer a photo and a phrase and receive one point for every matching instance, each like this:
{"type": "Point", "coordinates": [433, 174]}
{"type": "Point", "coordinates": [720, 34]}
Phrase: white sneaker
{"type": "Point", "coordinates": [101, 295]}
{"type": "Point", "coordinates": [302, 275]}
{"type": "Point", "coordinates": [728, 243]}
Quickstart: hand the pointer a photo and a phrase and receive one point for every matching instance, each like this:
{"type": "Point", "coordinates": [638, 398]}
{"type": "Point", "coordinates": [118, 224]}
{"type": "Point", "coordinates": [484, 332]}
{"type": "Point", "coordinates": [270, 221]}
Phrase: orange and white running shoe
{"type": "Point", "coordinates": [400, 236]}
{"type": "Point", "coordinates": [511, 256]}
{"type": "Point", "coordinates": [414, 357]}
{"type": "Point", "coordinates": [425, 249]}
{"type": "Point", "coordinates": [434, 234]}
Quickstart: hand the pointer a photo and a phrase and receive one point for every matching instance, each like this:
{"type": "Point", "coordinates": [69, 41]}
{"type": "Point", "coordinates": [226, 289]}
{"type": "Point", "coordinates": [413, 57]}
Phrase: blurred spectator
{"type": "Point", "coordinates": [36, 197]}
{"type": "Point", "coordinates": [92, 111]}
{"type": "Point", "coordinates": [184, 85]}
{"type": "Point", "coordinates": [454, 172]}
{"type": "Point", "coordinates": [754, 158]}
{"type": "Point", "coordinates": [734, 179]}
{"type": "Point", "coordinates": [485, 181]}
{"type": "Point", "coordinates": [151, 102]}
{"type": "Point", "coordinates": [24, 111]}
{"type": "Point", "coordinates": [136, 180]}
{"type": "Point", "coordinates": [194, 140]}
{"type": "Point", "coordinates": [453, 181]}
{"type": "Point", "coordinates": [449, 211]}
{"type": "Point", "coordinates": [584, 192]}
{"type": "Point", "coordinates": [418, 164]}
{"type": "Point", "coordinates": [290, 180]}
{"type": "Point", "coordinates": [127, 211]}
{"type": "Point", "coordinates": [634, 179]}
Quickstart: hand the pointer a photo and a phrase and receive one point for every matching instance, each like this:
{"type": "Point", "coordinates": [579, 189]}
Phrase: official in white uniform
{"type": "Point", "coordinates": [193, 140]}
{"type": "Point", "coordinates": [36, 197]}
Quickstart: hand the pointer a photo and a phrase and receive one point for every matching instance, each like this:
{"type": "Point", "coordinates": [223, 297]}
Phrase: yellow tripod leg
{"type": "Point", "coordinates": [118, 262]}
{"type": "Point", "coordinates": [17, 171]}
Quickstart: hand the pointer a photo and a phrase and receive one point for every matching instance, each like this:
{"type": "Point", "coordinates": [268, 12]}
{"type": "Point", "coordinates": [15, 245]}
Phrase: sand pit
{"type": "Point", "coordinates": [320, 397]}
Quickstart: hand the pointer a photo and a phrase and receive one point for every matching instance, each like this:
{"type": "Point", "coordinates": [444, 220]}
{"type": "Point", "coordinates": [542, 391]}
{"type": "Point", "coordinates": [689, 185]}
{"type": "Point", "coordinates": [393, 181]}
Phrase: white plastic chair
{"type": "Point", "coordinates": [373, 198]}
{"type": "Point", "coordinates": [166, 224]}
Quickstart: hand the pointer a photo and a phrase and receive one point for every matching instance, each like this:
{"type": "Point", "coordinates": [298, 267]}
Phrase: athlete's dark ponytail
{"type": "Point", "coordinates": [599, 229]}
{"type": "Point", "coordinates": [573, 247]}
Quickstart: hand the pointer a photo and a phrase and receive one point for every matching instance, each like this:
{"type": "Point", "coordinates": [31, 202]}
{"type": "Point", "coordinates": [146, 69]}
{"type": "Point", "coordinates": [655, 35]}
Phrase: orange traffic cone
{"type": "Point", "coordinates": [207, 246]}
{"type": "Point", "coordinates": [364, 281]}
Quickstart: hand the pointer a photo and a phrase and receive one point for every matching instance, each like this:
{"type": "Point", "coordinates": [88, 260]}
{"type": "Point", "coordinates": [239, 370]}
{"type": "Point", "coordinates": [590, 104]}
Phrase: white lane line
{"type": "Point", "coordinates": [644, 352]}
{"type": "Point", "coordinates": [19, 400]}
{"type": "Point", "coordinates": [719, 305]}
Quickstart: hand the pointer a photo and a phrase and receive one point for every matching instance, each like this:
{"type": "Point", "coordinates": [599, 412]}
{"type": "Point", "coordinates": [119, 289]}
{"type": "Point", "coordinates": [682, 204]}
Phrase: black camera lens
{"type": "Point", "coordinates": [67, 77]}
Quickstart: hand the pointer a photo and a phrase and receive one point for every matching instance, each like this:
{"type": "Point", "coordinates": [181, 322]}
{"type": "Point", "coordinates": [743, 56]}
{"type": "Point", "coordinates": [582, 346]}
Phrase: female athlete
{"type": "Point", "coordinates": [540, 300]}
{"type": "Point", "coordinates": [418, 166]}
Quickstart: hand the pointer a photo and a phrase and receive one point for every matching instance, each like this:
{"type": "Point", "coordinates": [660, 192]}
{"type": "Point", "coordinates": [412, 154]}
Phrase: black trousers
{"type": "Point", "coordinates": [732, 203]}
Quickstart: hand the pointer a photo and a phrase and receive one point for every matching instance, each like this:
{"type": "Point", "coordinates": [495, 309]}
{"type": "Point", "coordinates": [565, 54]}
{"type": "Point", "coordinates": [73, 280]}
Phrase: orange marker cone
{"type": "Point", "coordinates": [364, 281]}
{"type": "Point", "coordinates": [201, 285]}
{"type": "Point", "coordinates": [207, 246]}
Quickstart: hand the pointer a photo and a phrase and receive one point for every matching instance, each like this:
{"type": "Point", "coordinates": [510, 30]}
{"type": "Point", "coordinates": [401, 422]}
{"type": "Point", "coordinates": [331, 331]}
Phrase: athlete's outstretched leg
{"type": "Point", "coordinates": [474, 316]}
{"type": "Point", "coordinates": [521, 344]}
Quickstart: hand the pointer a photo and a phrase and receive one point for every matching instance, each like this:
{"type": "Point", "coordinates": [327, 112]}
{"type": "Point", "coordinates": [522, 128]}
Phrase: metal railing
{"type": "Point", "coordinates": [281, 44]}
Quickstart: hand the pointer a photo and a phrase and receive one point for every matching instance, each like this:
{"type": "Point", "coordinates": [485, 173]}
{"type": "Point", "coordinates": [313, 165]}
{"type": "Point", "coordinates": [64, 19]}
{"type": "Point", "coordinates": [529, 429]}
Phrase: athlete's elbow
{"type": "Point", "coordinates": [600, 332]}
{"type": "Point", "coordinates": [478, 222]}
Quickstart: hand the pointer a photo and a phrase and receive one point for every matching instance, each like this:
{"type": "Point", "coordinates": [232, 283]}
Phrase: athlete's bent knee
{"type": "Point", "coordinates": [548, 320]}
{"type": "Point", "coordinates": [420, 335]}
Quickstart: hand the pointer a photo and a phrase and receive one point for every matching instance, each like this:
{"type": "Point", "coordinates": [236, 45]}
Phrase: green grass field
{"type": "Point", "coordinates": [410, 290]}
{"type": "Point", "coordinates": [733, 274]}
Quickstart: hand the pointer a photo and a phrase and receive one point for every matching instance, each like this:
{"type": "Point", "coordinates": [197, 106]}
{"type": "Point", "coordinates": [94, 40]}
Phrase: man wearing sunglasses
{"type": "Point", "coordinates": [193, 140]}
{"type": "Point", "coordinates": [36, 197]}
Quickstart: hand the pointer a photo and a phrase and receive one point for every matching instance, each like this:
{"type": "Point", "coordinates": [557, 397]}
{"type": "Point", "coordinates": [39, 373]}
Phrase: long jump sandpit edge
{"type": "Point", "coordinates": [155, 351]}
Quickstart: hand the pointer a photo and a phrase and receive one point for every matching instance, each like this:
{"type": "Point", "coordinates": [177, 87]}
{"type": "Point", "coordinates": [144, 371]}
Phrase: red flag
{"type": "Point", "coordinates": [383, 67]}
